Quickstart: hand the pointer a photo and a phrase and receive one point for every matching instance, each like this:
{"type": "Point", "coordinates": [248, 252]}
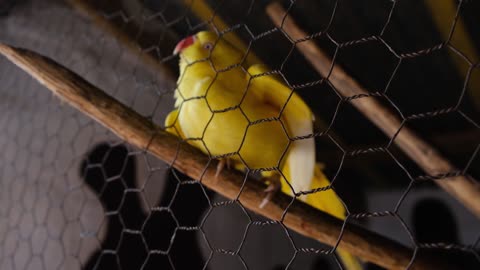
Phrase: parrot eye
{"type": "Point", "coordinates": [208, 45]}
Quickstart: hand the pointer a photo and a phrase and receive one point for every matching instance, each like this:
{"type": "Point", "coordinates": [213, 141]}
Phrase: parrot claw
{"type": "Point", "coordinates": [272, 189]}
{"type": "Point", "coordinates": [221, 165]}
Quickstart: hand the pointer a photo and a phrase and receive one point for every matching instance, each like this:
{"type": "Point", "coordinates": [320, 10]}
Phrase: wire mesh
{"type": "Point", "coordinates": [73, 196]}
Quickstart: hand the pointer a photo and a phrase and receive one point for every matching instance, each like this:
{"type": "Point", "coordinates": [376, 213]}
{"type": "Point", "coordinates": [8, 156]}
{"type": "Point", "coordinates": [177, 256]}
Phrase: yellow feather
{"type": "Point", "coordinates": [171, 124]}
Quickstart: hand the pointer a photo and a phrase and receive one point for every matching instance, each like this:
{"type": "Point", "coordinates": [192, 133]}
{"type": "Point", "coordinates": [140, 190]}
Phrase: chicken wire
{"type": "Point", "coordinates": [73, 196]}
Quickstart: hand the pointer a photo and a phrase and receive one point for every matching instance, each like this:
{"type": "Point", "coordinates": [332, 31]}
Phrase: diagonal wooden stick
{"type": "Point", "coordinates": [464, 189]}
{"type": "Point", "coordinates": [142, 133]}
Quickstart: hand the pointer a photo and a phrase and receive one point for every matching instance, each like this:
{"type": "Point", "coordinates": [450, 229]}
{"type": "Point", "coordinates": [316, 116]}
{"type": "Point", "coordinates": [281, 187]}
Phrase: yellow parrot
{"type": "Point", "coordinates": [246, 117]}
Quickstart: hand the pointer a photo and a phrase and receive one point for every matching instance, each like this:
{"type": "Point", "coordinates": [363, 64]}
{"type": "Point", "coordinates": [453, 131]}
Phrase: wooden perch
{"type": "Point", "coordinates": [142, 133]}
{"type": "Point", "coordinates": [463, 188]}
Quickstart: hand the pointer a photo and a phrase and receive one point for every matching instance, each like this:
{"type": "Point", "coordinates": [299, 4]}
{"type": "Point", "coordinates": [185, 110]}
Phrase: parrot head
{"type": "Point", "coordinates": [207, 45]}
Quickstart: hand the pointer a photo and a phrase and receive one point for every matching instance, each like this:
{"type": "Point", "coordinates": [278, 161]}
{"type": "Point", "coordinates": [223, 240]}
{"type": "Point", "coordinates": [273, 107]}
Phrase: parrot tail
{"type": "Point", "coordinates": [328, 201]}
{"type": "Point", "coordinates": [349, 261]}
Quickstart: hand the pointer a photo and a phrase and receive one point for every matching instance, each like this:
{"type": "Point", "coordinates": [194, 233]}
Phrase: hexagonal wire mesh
{"type": "Point", "coordinates": [73, 196]}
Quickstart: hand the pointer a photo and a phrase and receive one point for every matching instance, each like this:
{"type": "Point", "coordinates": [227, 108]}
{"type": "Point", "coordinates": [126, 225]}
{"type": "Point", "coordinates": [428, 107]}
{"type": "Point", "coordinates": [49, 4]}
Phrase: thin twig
{"type": "Point", "coordinates": [464, 189]}
{"type": "Point", "coordinates": [141, 132]}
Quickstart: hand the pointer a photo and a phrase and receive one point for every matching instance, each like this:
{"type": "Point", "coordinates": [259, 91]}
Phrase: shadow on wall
{"type": "Point", "coordinates": [110, 172]}
{"type": "Point", "coordinates": [433, 223]}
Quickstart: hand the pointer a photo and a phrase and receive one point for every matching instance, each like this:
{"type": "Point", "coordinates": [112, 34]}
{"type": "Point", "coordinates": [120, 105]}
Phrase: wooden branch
{"type": "Point", "coordinates": [463, 188]}
{"type": "Point", "coordinates": [142, 133]}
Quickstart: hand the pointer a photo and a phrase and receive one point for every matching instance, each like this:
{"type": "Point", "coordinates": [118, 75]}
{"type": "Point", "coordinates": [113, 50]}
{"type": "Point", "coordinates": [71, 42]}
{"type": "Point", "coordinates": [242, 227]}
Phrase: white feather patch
{"type": "Point", "coordinates": [301, 159]}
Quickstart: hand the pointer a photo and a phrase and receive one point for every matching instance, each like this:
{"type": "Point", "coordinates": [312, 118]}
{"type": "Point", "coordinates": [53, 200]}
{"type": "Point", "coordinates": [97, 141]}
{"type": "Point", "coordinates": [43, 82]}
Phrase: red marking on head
{"type": "Point", "coordinates": [183, 44]}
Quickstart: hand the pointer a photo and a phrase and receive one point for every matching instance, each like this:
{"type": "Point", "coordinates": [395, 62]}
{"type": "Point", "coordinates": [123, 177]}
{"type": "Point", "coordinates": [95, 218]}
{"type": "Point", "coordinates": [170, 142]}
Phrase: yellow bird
{"type": "Point", "coordinates": [249, 118]}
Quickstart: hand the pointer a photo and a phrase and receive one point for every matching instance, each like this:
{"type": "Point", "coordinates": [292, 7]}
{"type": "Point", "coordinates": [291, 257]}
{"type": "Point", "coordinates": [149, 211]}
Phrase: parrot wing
{"type": "Point", "coordinates": [172, 126]}
{"type": "Point", "coordinates": [298, 118]}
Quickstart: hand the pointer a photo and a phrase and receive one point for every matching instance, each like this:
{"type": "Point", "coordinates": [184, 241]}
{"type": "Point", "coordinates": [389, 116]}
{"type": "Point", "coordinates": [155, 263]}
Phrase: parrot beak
{"type": "Point", "coordinates": [183, 44]}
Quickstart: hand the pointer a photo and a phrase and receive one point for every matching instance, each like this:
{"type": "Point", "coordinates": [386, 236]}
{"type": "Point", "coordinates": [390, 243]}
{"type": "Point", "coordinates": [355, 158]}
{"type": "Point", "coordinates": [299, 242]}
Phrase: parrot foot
{"type": "Point", "coordinates": [272, 189]}
{"type": "Point", "coordinates": [221, 165]}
